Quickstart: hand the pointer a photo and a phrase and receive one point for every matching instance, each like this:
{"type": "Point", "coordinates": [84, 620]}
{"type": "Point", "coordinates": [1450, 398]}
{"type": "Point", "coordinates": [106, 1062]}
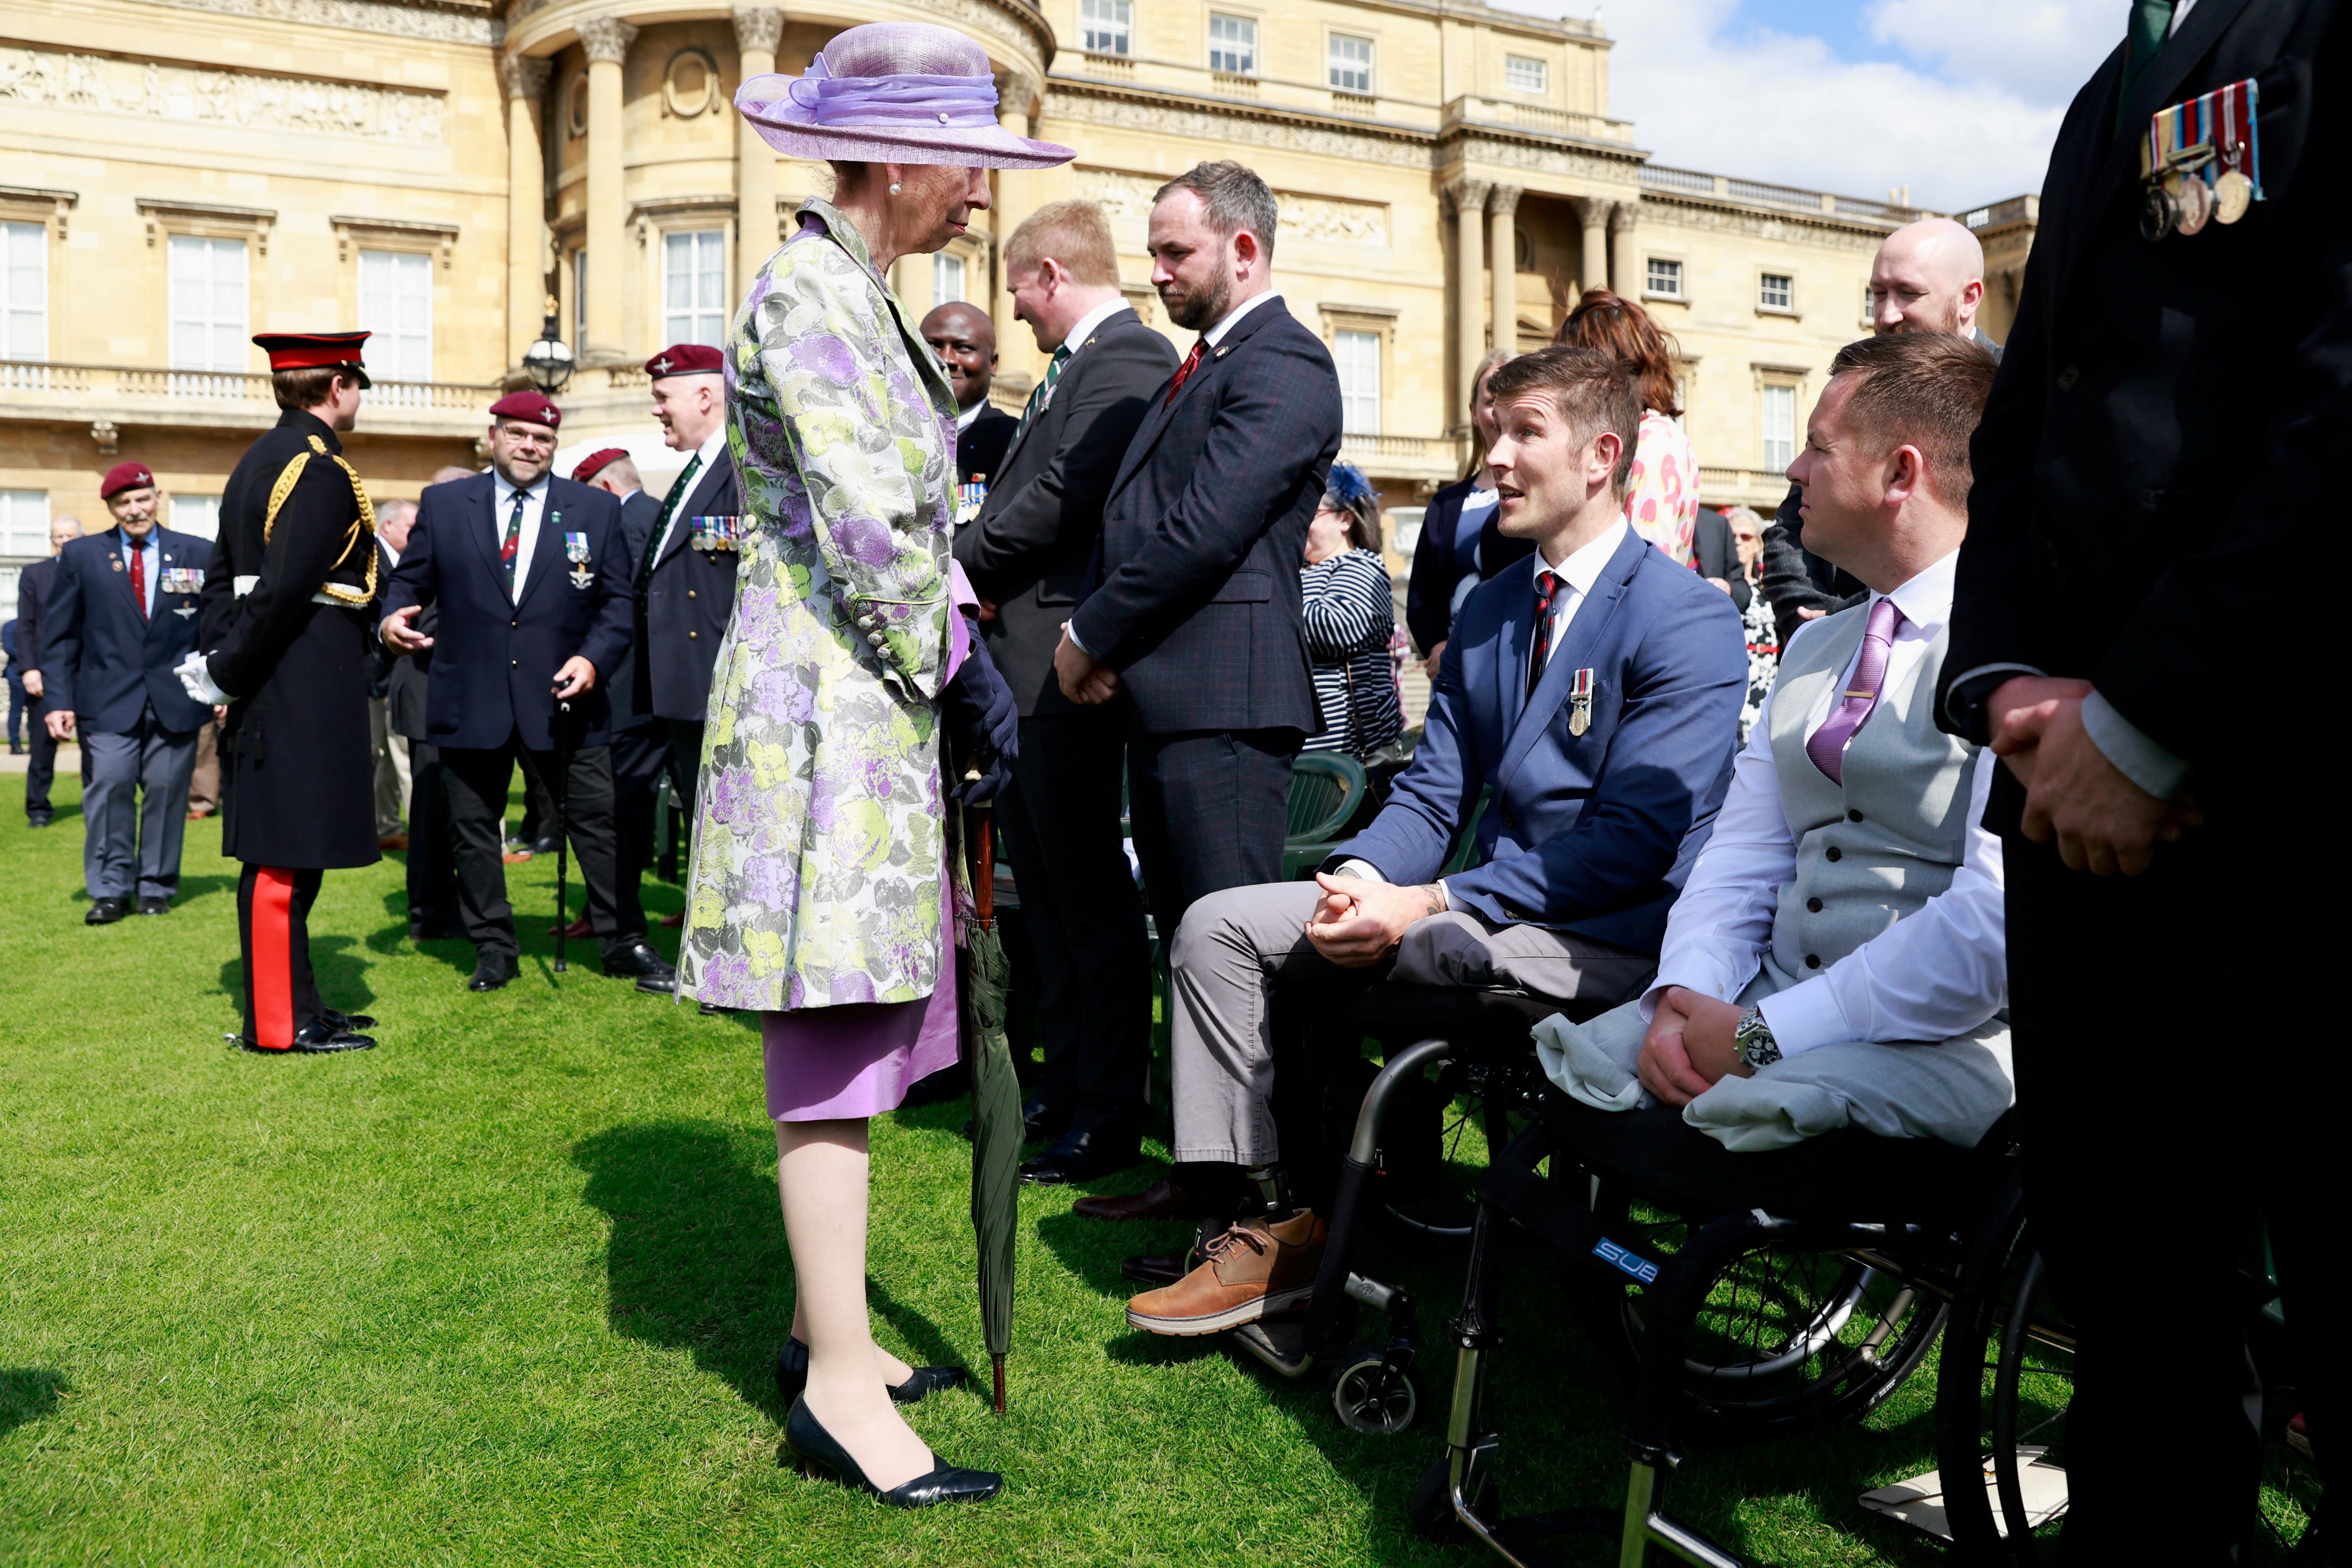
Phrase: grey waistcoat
{"type": "Point", "coordinates": [1876, 849]}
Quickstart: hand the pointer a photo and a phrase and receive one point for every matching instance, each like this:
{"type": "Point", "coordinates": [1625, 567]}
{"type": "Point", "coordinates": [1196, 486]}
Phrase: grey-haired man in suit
{"type": "Point", "coordinates": [1026, 553]}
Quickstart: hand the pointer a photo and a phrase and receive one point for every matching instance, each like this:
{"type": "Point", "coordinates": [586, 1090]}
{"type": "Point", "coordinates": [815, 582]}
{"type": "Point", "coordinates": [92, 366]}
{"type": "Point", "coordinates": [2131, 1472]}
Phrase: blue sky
{"type": "Point", "coordinates": [1955, 98]}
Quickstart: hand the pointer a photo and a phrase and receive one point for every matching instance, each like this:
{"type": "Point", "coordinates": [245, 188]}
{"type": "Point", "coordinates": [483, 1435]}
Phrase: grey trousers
{"type": "Point", "coordinates": [1236, 945]}
{"type": "Point", "coordinates": [135, 810]}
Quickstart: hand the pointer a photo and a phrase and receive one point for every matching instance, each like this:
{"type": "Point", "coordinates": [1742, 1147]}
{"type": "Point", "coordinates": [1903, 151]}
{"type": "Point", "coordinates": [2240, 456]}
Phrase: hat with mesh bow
{"type": "Point", "coordinates": [892, 92]}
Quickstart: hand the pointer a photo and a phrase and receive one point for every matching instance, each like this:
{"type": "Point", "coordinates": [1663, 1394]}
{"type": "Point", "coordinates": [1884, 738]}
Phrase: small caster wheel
{"type": "Point", "coordinates": [1371, 1399]}
{"type": "Point", "coordinates": [1431, 1511]}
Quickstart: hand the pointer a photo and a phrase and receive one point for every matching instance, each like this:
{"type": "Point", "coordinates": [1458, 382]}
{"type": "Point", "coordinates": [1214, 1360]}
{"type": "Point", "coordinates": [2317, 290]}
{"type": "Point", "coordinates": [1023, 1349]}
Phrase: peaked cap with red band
{"type": "Point", "coordinates": [315, 351]}
{"type": "Point", "coordinates": [123, 477]}
{"type": "Point", "coordinates": [532, 407]}
{"type": "Point", "coordinates": [686, 359]}
{"type": "Point", "coordinates": [595, 463]}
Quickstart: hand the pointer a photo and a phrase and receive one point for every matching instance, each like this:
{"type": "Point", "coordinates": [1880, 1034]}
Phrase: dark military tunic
{"type": "Point", "coordinates": [290, 605]}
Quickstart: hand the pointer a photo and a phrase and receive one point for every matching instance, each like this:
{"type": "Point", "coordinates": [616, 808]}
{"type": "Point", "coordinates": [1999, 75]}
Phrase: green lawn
{"type": "Point", "coordinates": [509, 1290]}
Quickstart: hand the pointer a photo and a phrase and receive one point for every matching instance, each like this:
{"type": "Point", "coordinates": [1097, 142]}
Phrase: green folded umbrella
{"type": "Point", "coordinates": [982, 976]}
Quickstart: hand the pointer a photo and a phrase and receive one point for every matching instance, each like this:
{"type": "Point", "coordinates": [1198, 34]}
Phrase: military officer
{"type": "Point", "coordinates": [286, 605]}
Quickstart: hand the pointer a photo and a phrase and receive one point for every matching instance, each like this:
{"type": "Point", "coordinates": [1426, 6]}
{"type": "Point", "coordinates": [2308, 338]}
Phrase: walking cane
{"type": "Point", "coordinates": [562, 795]}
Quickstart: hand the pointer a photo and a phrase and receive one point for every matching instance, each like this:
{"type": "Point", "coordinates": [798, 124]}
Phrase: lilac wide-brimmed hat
{"type": "Point", "coordinates": [892, 92]}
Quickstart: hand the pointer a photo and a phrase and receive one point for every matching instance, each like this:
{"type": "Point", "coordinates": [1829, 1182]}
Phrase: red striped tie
{"type": "Point", "coordinates": [1184, 370]}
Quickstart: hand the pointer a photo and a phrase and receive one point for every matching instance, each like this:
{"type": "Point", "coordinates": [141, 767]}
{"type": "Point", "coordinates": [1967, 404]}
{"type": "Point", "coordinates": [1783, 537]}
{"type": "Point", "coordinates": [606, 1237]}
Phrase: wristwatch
{"type": "Point", "coordinates": [1752, 1038]}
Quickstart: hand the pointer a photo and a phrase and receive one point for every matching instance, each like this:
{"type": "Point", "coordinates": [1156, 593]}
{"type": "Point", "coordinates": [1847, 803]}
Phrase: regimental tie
{"type": "Point", "coordinates": [1184, 371]}
{"type": "Point", "coordinates": [1043, 393]}
{"type": "Point", "coordinates": [139, 577]}
{"type": "Point", "coordinates": [670, 503]}
{"type": "Point", "coordinates": [1540, 651]}
{"type": "Point", "coordinates": [1827, 747]}
{"type": "Point", "coordinates": [513, 541]}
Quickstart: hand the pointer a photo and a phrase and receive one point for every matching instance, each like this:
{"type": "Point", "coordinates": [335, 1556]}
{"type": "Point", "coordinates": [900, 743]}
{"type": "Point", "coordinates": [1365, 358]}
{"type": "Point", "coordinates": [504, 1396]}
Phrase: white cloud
{"type": "Point", "coordinates": [1971, 121]}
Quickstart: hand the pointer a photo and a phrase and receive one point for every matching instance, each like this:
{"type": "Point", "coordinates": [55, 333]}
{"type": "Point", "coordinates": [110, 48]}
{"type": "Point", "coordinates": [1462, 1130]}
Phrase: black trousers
{"type": "Point", "coordinates": [432, 853]}
{"type": "Point", "coordinates": [2166, 1113]}
{"type": "Point", "coordinates": [476, 784]}
{"type": "Point", "coordinates": [41, 761]}
{"type": "Point", "coordinates": [1059, 819]}
{"type": "Point", "coordinates": [685, 763]}
{"type": "Point", "coordinates": [639, 757]}
{"type": "Point", "coordinates": [1209, 808]}
{"type": "Point", "coordinates": [273, 929]}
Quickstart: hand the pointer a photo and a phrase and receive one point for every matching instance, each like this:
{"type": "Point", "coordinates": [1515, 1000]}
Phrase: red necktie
{"type": "Point", "coordinates": [139, 577]}
{"type": "Point", "coordinates": [1539, 653]}
{"type": "Point", "coordinates": [1184, 370]}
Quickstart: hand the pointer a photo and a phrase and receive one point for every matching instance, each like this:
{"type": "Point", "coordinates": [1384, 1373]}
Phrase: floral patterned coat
{"type": "Point", "coordinates": [817, 845]}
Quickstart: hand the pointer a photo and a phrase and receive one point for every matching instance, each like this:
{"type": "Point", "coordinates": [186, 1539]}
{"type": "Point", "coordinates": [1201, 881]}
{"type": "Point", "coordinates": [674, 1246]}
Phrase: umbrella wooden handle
{"type": "Point", "coordinates": [984, 873]}
{"type": "Point", "coordinates": [1000, 1383]}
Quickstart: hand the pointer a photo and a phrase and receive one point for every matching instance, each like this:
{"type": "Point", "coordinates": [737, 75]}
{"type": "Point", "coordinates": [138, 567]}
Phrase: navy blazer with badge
{"type": "Point", "coordinates": [494, 659]}
{"type": "Point", "coordinates": [100, 659]}
{"type": "Point", "coordinates": [1592, 832]}
{"type": "Point", "coordinates": [1194, 596]}
{"type": "Point", "coordinates": [683, 605]}
{"type": "Point", "coordinates": [639, 513]}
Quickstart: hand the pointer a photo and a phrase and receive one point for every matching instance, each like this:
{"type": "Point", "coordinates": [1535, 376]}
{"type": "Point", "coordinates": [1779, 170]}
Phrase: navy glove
{"type": "Point", "coordinates": [983, 727]}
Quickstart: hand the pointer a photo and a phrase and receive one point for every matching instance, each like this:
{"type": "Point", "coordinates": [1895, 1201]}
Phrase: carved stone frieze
{"type": "Point", "coordinates": [758, 28]}
{"type": "Point", "coordinates": [1826, 232]}
{"type": "Point", "coordinates": [433, 25]}
{"type": "Point", "coordinates": [188, 94]}
{"type": "Point", "coordinates": [1089, 105]}
{"type": "Point", "coordinates": [1126, 201]}
{"type": "Point", "coordinates": [525, 76]}
{"type": "Point", "coordinates": [1558, 160]}
{"type": "Point", "coordinates": [606, 39]}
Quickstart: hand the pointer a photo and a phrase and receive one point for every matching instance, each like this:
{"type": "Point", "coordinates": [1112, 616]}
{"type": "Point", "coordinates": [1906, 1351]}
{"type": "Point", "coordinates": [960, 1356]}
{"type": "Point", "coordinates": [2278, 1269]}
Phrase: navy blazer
{"type": "Point", "coordinates": [100, 659]}
{"type": "Point", "coordinates": [494, 659]}
{"type": "Point", "coordinates": [1193, 595]}
{"type": "Point", "coordinates": [684, 607]}
{"type": "Point", "coordinates": [639, 513]}
{"type": "Point", "coordinates": [1593, 833]}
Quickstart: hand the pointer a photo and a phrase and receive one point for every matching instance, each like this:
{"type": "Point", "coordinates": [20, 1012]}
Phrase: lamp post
{"type": "Point", "coordinates": [548, 361]}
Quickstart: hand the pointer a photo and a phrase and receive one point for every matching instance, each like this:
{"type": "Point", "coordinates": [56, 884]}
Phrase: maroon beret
{"type": "Point", "coordinates": [593, 463]}
{"type": "Point", "coordinates": [532, 407]}
{"type": "Point", "coordinates": [686, 359]}
{"type": "Point", "coordinates": [123, 477]}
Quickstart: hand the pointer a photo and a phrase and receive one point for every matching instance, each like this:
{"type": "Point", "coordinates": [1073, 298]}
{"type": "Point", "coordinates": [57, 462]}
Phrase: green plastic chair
{"type": "Point", "coordinates": [1326, 789]}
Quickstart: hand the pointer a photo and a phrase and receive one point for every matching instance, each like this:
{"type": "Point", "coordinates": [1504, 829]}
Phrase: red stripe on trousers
{"type": "Point", "coordinates": [273, 968]}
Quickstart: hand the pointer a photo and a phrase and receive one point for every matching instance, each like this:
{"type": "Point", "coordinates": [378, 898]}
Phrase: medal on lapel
{"type": "Point", "coordinates": [713, 533]}
{"type": "Point", "coordinates": [2200, 162]}
{"type": "Point", "coordinates": [1580, 703]}
{"type": "Point", "coordinates": [182, 580]}
{"type": "Point", "coordinates": [575, 549]}
{"type": "Point", "coordinates": [969, 499]}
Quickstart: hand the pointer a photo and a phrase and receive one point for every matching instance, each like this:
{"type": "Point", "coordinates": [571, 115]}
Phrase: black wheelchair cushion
{"type": "Point", "coordinates": [1485, 1024]}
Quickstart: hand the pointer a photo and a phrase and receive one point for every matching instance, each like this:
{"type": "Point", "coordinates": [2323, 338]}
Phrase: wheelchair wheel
{"type": "Point", "coordinates": [1434, 1197]}
{"type": "Point", "coordinates": [1370, 1399]}
{"type": "Point", "coordinates": [1787, 1339]}
{"type": "Point", "coordinates": [2001, 1394]}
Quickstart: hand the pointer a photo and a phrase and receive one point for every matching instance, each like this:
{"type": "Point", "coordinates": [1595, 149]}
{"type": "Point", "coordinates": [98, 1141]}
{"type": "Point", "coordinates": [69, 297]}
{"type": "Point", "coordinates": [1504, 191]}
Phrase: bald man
{"type": "Point", "coordinates": [1928, 277]}
{"type": "Point", "coordinates": [964, 339]}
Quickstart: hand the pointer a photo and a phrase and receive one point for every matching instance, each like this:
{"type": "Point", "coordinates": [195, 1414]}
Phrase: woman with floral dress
{"type": "Point", "coordinates": [1661, 492]}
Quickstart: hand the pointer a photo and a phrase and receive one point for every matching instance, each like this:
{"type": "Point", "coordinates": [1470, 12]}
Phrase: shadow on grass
{"type": "Point", "coordinates": [27, 1395]}
{"type": "Point", "coordinates": [338, 968]}
{"type": "Point", "coordinates": [190, 888]}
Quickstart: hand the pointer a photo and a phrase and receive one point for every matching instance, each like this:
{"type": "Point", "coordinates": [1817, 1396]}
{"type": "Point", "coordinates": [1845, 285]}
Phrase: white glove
{"type": "Point", "coordinates": [197, 679]}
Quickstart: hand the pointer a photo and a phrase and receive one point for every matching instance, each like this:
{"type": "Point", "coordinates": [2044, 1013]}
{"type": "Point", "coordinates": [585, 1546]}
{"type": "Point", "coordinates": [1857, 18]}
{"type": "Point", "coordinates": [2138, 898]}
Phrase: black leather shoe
{"type": "Point", "coordinates": [36, 819]}
{"type": "Point", "coordinates": [153, 906]}
{"type": "Point", "coordinates": [493, 971]}
{"type": "Point", "coordinates": [347, 1022]}
{"type": "Point", "coordinates": [435, 928]}
{"type": "Point", "coordinates": [815, 1448]}
{"type": "Point", "coordinates": [792, 1376]}
{"type": "Point", "coordinates": [1083, 1155]}
{"type": "Point", "coordinates": [657, 984]}
{"type": "Point", "coordinates": [1155, 1268]}
{"type": "Point", "coordinates": [641, 963]}
{"type": "Point", "coordinates": [542, 844]}
{"type": "Point", "coordinates": [105, 912]}
{"type": "Point", "coordinates": [320, 1039]}
{"type": "Point", "coordinates": [1041, 1120]}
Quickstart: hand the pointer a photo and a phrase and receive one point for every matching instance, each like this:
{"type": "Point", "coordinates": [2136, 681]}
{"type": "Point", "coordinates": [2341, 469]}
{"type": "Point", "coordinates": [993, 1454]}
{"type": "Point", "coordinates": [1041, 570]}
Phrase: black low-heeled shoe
{"type": "Point", "coordinates": [816, 1448]}
{"type": "Point", "coordinates": [792, 1376]}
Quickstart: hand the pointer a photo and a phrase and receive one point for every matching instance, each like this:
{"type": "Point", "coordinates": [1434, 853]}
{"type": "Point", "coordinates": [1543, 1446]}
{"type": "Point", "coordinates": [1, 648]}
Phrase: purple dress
{"type": "Point", "coordinates": [851, 1061]}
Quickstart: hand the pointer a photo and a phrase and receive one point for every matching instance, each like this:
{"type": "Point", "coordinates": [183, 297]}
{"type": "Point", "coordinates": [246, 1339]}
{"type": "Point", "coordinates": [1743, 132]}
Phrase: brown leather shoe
{"type": "Point", "coordinates": [393, 841]}
{"type": "Point", "coordinates": [1253, 1270]}
{"type": "Point", "coordinates": [1163, 1199]}
{"type": "Point", "coordinates": [578, 930]}
{"type": "Point", "coordinates": [671, 923]}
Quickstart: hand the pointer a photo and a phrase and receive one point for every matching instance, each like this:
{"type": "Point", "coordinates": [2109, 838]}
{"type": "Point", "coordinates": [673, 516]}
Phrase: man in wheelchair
{"type": "Point", "coordinates": [1597, 693]}
{"type": "Point", "coordinates": [1836, 956]}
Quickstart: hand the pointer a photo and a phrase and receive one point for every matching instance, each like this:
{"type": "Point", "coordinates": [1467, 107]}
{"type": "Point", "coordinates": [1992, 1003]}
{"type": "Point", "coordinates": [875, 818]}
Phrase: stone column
{"type": "Point", "coordinates": [606, 40]}
{"type": "Point", "coordinates": [1469, 270]}
{"type": "Point", "coordinates": [524, 79]}
{"type": "Point", "coordinates": [1624, 259]}
{"type": "Point", "coordinates": [1503, 258]}
{"type": "Point", "coordinates": [756, 32]}
{"type": "Point", "coordinates": [1594, 215]}
{"type": "Point", "coordinates": [1016, 93]}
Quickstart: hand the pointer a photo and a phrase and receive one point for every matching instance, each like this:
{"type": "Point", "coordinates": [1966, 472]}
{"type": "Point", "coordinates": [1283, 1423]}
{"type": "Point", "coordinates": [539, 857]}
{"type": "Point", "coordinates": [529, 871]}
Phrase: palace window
{"type": "Point", "coordinates": [1665, 279]}
{"type": "Point", "coordinates": [23, 291]}
{"type": "Point", "coordinates": [1233, 44]}
{"type": "Point", "coordinates": [396, 305]}
{"type": "Point", "coordinates": [208, 303]}
{"type": "Point", "coordinates": [1106, 26]}
{"type": "Point", "coordinates": [694, 287]}
{"type": "Point", "coordinates": [1525, 73]}
{"type": "Point", "coordinates": [946, 279]}
{"type": "Point", "coordinates": [200, 515]}
{"type": "Point", "coordinates": [24, 522]}
{"type": "Point", "coordinates": [1356, 356]}
{"type": "Point", "coordinates": [1351, 62]}
{"type": "Point", "coordinates": [1780, 427]}
{"type": "Point", "coordinates": [1776, 292]}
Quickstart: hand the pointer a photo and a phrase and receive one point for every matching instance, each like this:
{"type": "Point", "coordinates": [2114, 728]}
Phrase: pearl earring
{"type": "Point", "coordinates": [894, 187]}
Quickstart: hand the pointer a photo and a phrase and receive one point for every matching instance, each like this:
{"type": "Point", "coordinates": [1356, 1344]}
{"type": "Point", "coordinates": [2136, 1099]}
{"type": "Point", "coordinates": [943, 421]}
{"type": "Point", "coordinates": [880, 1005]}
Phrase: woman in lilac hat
{"type": "Point", "coordinates": [818, 895]}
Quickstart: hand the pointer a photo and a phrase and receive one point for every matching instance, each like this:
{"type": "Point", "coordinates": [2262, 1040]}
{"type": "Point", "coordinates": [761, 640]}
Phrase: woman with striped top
{"type": "Point", "coordinates": [1351, 612]}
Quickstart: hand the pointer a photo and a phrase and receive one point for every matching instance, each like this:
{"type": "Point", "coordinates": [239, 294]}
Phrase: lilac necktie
{"type": "Point", "coordinates": [1827, 748]}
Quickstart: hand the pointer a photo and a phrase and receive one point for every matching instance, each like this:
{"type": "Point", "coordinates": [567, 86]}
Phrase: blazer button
{"type": "Point", "coordinates": [1813, 961]}
{"type": "Point", "coordinates": [1813, 905]}
{"type": "Point", "coordinates": [689, 592]}
{"type": "Point", "coordinates": [691, 635]}
{"type": "Point", "coordinates": [514, 664]}
{"type": "Point", "coordinates": [1834, 853]}
{"type": "Point", "coordinates": [514, 626]}
{"type": "Point", "coordinates": [1853, 815]}
{"type": "Point", "coordinates": [2068, 377]}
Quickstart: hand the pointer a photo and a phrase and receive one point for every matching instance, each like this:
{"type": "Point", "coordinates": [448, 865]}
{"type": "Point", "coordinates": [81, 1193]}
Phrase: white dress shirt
{"type": "Point", "coordinates": [502, 496]}
{"type": "Point", "coordinates": [1084, 327]}
{"type": "Point", "coordinates": [1576, 574]}
{"type": "Point", "coordinates": [1232, 318]}
{"type": "Point", "coordinates": [712, 445]}
{"type": "Point", "coordinates": [1939, 972]}
{"type": "Point", "coordinates": [965, 416]}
